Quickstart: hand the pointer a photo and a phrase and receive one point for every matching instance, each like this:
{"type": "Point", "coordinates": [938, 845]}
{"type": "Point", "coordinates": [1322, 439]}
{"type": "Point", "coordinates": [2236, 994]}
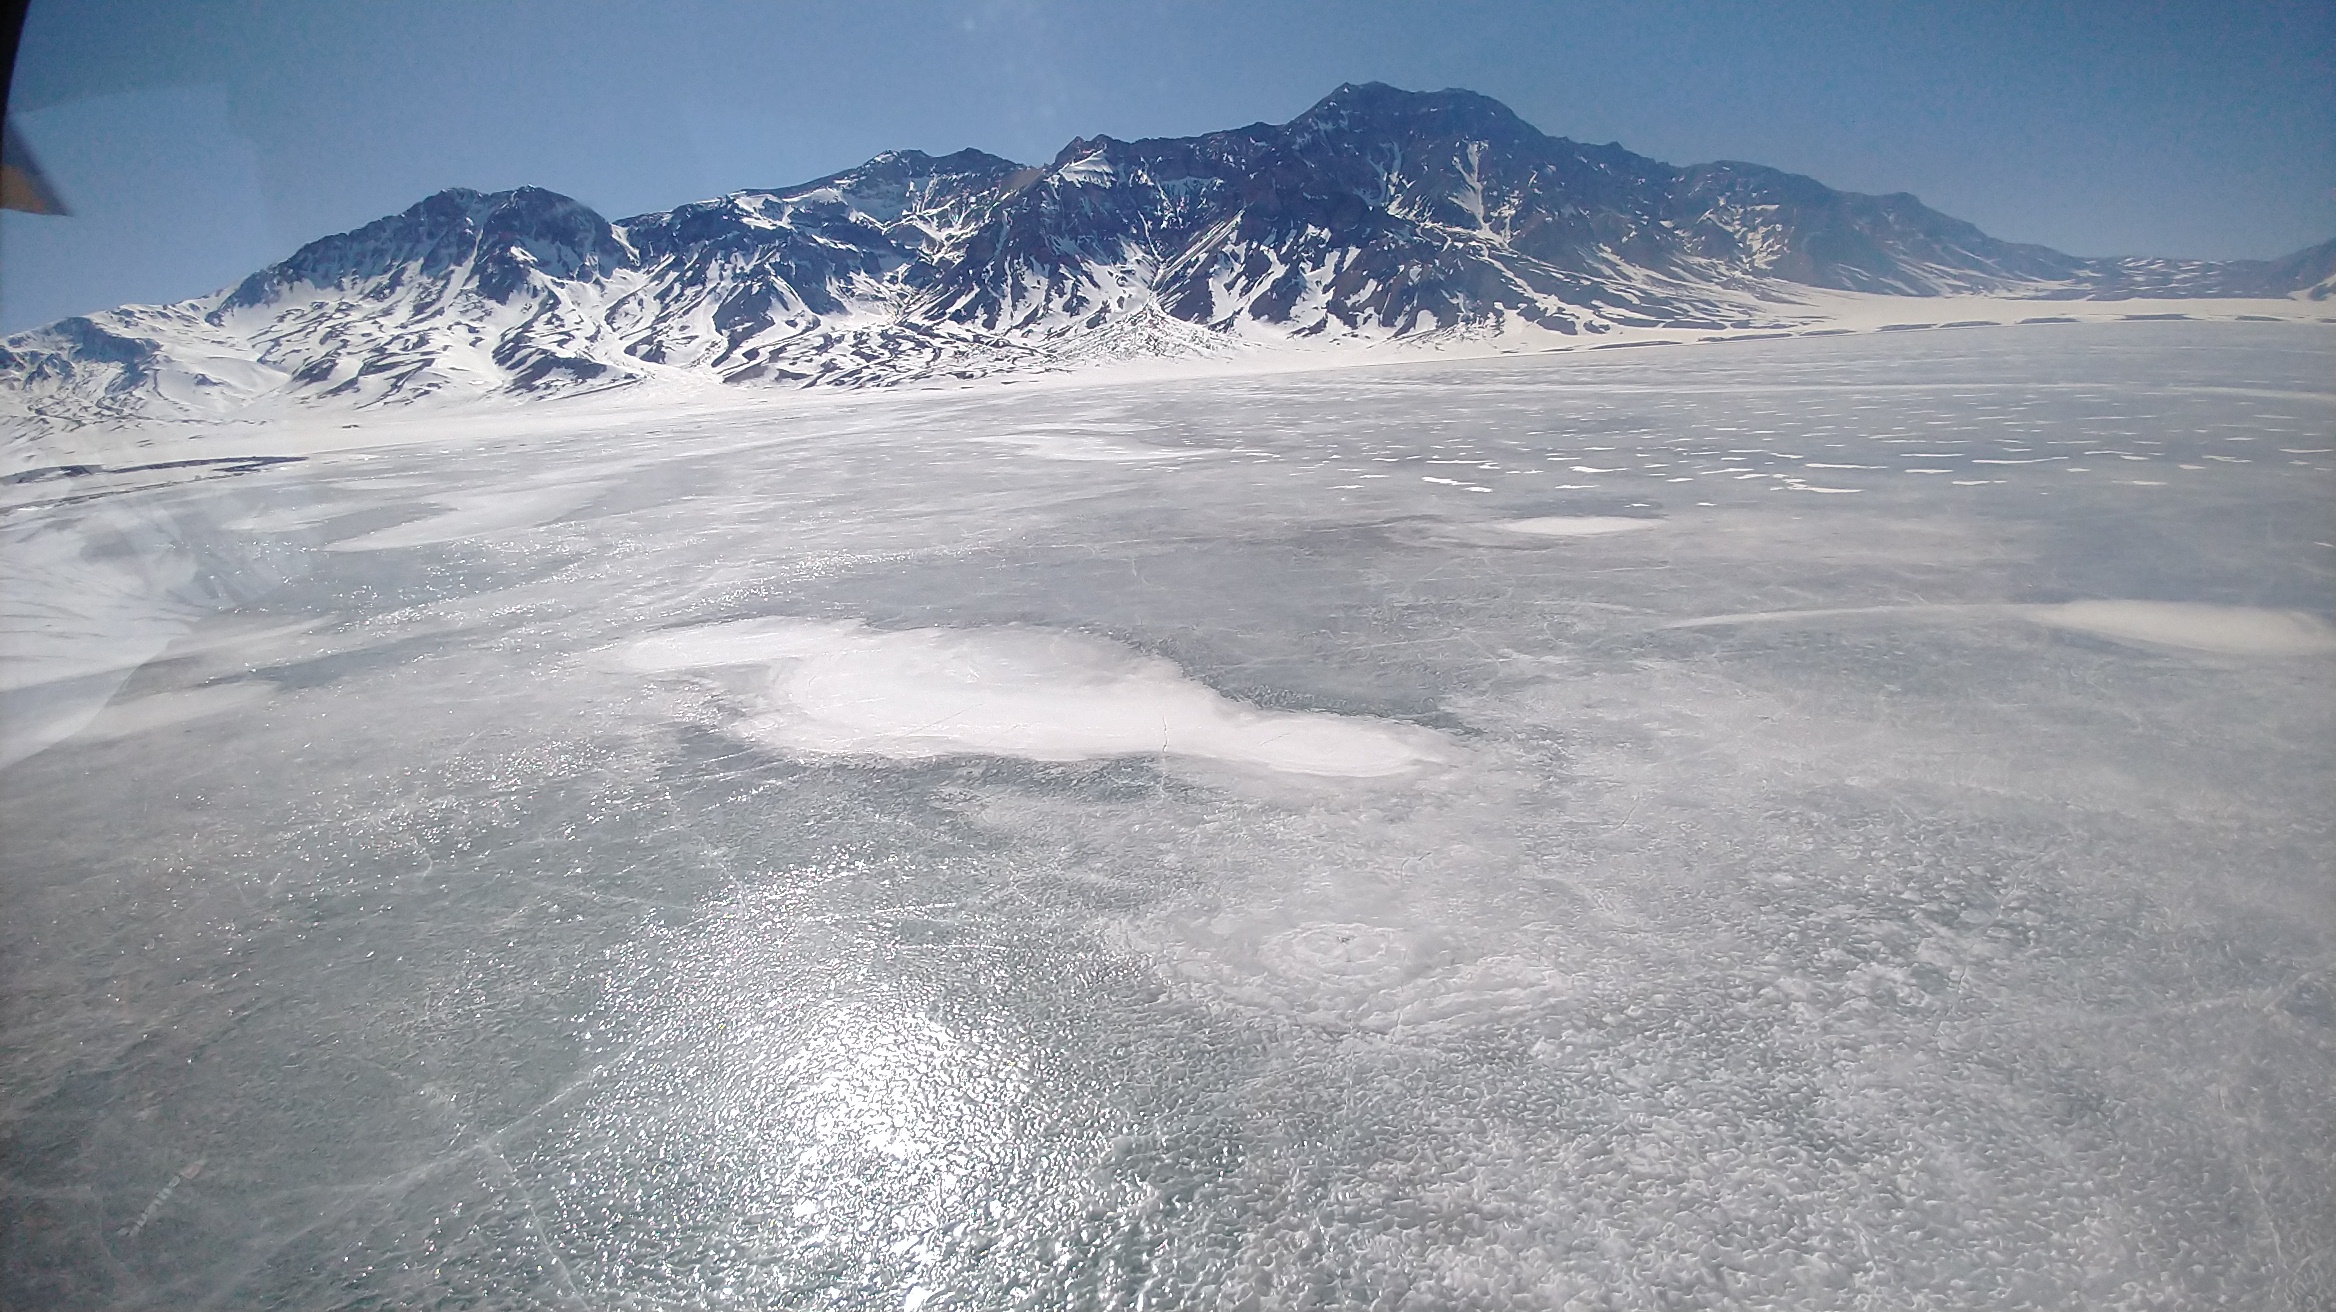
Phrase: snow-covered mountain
{"type": "Point", "coordinates": [1376, 214]}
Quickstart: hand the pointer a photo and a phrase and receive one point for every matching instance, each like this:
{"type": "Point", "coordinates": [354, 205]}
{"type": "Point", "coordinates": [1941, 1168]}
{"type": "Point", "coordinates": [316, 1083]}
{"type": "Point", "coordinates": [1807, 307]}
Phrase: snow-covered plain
{"type": "Point", "coordinates": [1820, 823]}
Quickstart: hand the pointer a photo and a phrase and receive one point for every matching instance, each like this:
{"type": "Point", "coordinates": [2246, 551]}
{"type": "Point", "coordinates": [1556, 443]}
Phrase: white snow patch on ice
{"type": "Point", "coordinates": [1578, 526]}
{"type": "Point", "coordinates": [2228, 630]}
{"type": "Point", "coordinates": [1042, 695]}
{"type": "Point", "coordinates": [2191, 626]}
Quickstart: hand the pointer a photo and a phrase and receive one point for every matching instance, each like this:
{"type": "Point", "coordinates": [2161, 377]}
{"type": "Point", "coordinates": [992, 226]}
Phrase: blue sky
{"type": "Point", "coordinates": [199, 140]}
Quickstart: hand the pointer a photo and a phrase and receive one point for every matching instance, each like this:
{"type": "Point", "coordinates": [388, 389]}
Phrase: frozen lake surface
{"type": "Point", "coordinates": [1837, 823]}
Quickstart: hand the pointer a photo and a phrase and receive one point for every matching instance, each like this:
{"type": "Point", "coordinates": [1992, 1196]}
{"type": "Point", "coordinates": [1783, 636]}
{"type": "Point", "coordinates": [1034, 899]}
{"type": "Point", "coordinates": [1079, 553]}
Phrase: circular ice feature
{"type": "Point", "coordinates": [1350, 955]}
{"type": "Point", "coordinates": [1350, 976]}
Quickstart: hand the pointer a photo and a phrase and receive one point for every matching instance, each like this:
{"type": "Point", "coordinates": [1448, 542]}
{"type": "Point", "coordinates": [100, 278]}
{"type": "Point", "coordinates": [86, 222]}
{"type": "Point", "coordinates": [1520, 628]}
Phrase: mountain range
{"type": "Point", "coordinates": [1377, 214]}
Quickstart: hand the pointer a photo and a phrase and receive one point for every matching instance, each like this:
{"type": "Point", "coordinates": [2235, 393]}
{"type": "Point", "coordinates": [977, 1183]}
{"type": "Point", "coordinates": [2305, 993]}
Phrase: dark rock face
{"type": "Point", "coordinates": [493, 241]}
{"type": "Point", "coordinates": [758, 263]}
{"type": "Point", "coordinates": [2309, 271]}
{"type": "Point", "coordinates": [1376, 212]}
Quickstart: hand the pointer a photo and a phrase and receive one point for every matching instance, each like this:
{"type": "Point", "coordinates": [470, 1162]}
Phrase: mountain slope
{"type": "Point", "coordinates": [1376, 214]}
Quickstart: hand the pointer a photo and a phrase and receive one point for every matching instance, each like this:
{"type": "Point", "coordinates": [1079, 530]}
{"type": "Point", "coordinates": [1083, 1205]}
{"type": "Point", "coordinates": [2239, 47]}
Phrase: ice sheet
{"type": "Point", "coordinates": [824, 857]}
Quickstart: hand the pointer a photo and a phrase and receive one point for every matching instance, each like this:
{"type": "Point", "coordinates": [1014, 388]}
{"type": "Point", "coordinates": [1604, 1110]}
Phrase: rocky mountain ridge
{"type": "Point", "coordinates": [1377, 214]}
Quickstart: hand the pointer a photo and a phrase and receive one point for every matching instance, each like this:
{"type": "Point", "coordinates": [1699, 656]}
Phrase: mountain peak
{"type": "Point", "coordinates": [1380, 212]}
{"type": "Point", "coordinates": [1364, 104]}
{"type": "Point", "coordinates": [500, 236]}
{"type": "Point", "coordinates": [968, 160]}
{"type": "Point", "coordinates": [1078, 148]}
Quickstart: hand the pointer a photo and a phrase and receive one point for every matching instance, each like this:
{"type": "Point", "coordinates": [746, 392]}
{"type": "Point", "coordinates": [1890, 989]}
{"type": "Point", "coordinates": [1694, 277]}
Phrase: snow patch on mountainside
{"type": "Point", "coordinates": [1379, 217]}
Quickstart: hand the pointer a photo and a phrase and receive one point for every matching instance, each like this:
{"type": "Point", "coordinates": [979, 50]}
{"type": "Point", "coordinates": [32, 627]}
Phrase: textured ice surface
{"type": "Point", "coordinates": [470, 517]}
{"type": "Point", "coordinates": [1099, 447]}
{"type": "Point", "coordinates": [938, 852]}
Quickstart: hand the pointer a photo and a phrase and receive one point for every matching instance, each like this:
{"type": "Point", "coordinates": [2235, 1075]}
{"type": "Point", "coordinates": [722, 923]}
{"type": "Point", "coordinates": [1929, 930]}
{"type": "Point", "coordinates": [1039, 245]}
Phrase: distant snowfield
{"type": "Point", "coordinates": [1820, 822]}
{"type": "Point", "coordinates": [291, 429]}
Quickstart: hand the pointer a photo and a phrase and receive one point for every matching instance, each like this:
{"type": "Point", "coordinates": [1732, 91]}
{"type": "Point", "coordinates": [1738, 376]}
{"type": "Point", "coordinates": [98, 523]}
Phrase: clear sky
{"type": "Point", "coordinates": [200, 139]}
